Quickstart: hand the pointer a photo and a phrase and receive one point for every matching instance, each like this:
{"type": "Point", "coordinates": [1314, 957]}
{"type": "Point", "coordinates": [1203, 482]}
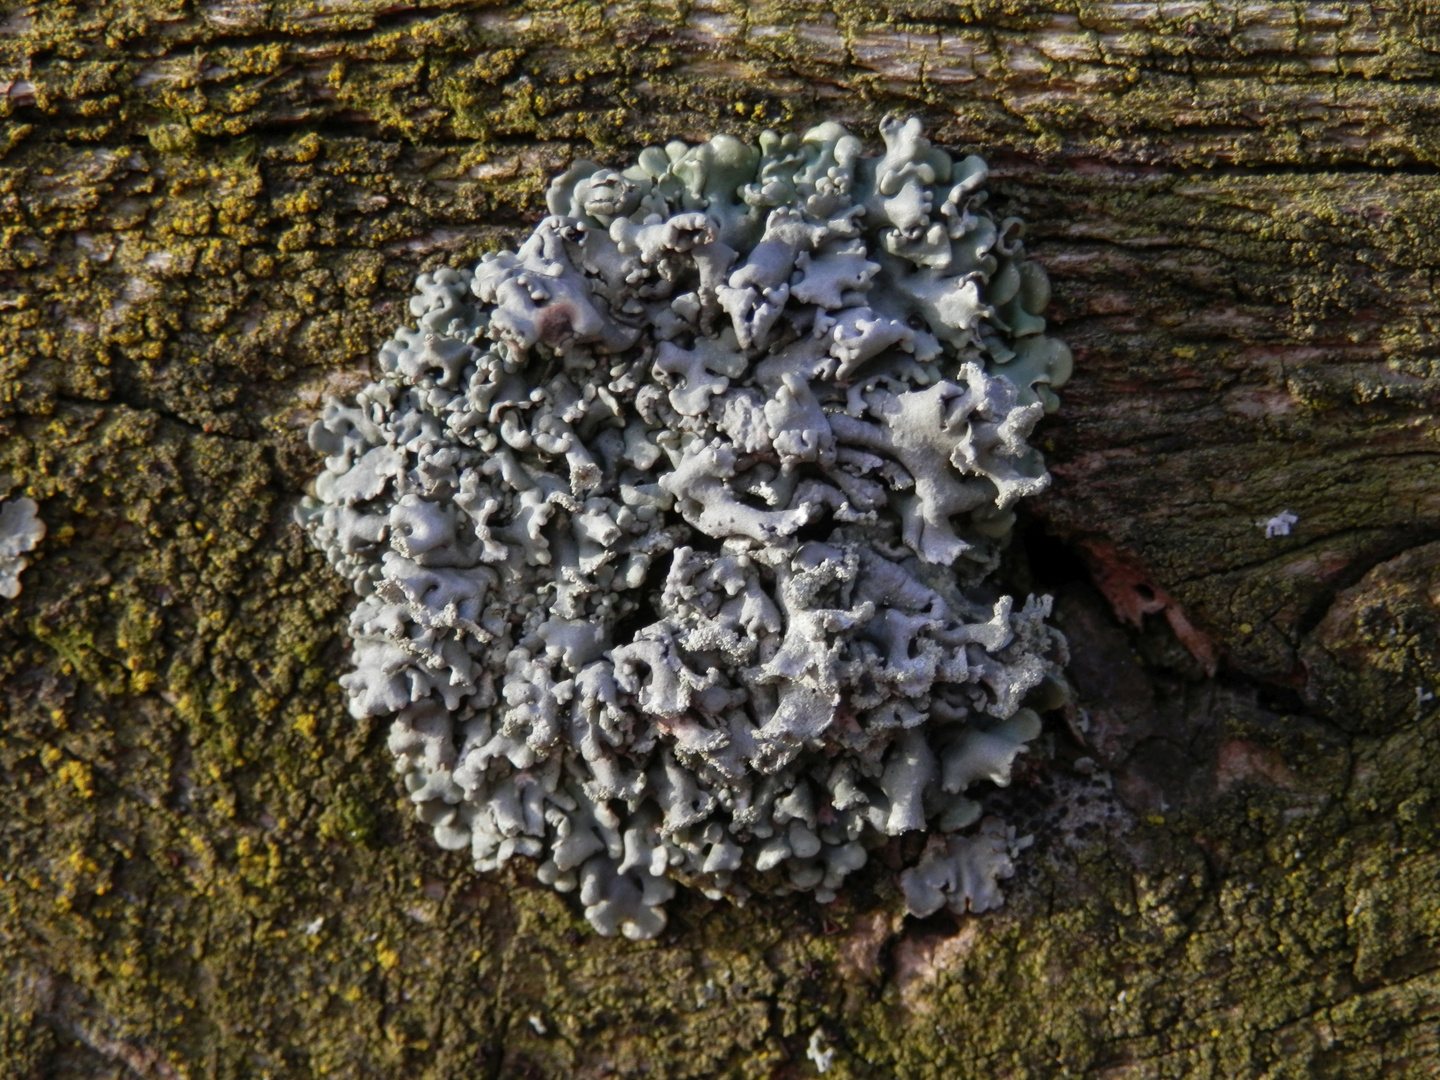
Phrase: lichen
{"type": "Point", "coordinates": [1313, 965]}
{"type": "Point", "coordinates": [20, 531]}
{"type": "Point", "coordinates": [671, 528]}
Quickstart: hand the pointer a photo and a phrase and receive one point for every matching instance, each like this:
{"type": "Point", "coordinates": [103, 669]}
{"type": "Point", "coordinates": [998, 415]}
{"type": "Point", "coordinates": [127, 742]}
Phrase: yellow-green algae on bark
{"type": "Point", "coordinates": [211, 215]}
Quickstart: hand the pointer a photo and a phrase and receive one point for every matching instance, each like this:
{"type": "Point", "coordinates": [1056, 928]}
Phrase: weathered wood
{"type": "Point", "coordinates": [211, 216]}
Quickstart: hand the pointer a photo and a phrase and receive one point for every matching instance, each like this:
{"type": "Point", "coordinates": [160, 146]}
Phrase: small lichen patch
{"type": "Point", "coordinates": [20, 531]}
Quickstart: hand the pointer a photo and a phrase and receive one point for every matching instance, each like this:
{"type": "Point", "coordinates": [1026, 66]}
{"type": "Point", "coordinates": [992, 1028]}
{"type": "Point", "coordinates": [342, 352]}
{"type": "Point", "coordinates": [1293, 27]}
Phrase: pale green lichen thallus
{"type": "Point", "coordinates": [672, 529]}
{"type": "Point", "coordinates": [21, 530]}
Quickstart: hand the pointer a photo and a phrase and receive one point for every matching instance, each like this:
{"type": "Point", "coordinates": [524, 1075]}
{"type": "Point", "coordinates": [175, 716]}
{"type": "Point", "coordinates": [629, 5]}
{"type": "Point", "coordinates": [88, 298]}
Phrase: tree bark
{"type": "Point", "coordinates": [212, 214]}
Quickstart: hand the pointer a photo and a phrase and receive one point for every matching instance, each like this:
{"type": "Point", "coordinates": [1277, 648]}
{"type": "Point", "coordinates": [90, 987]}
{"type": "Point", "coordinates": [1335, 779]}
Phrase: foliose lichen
{"type": "Point", "coordinates": [20, 531]}
{"type": "Point", "coordinates": [672, 528]}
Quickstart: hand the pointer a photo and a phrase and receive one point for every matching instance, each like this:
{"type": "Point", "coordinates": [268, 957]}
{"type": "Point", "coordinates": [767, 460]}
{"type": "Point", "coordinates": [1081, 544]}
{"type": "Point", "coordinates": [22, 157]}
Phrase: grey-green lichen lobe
{"type": "Point", "coordinates": [181, 964]}
{"type": "Point", "coordinates": [21, 528]}
{"type": "Point", "coordinates": [818, 367]}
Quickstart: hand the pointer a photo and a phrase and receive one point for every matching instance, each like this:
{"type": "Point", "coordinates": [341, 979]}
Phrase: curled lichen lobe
{"type": "Point", "coordinates": [671, 527]}
{"type": "Point", "coordinates": [20, 531]}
